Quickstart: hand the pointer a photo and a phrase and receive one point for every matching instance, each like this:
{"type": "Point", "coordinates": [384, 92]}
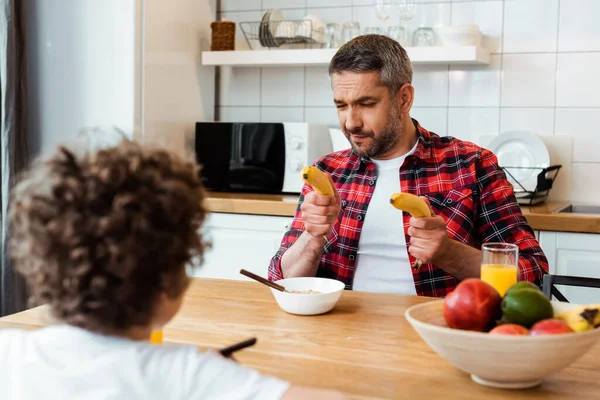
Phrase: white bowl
{"type": "Point", "coordinates": [501, 361]}
{"type": "Point", "coordinates": [308, 304]}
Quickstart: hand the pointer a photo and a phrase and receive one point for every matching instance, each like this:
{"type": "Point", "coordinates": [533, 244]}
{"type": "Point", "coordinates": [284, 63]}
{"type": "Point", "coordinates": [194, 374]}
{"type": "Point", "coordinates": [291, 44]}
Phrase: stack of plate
{"type": "Point", "coordinates": [267, 29]}
{"type": "Point", "coordinates": [523, 155]}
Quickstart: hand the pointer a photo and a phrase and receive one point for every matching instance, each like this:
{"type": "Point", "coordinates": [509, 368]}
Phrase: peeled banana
{"type": "Point", "coordinates": [415, 206]}
{"type": "Point", "coordinates": [318, 180]}
{"type": "Point", "coordinates": [582, 318]}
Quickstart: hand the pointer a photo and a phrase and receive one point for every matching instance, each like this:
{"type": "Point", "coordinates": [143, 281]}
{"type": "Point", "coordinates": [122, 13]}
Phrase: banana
{"type": "Point", "coordinates": [582, 318]}
{"type": "Point", "coordinates": [318, 180]}
{"type": "Point", "coordinates": [415, 206]}
{"type": "Point", "coordinates": [410, 203]}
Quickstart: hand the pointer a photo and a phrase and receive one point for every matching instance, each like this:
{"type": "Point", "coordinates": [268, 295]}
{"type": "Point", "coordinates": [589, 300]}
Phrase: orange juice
{"type": "Point", "coordinates": [500, 276]}
{"type": "Point", "coordinates": [156, 337]}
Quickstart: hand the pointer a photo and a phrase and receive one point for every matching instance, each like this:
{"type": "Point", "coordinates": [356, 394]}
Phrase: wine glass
{"type": "Point", "coordinates": [407, 9]}
{"type": "Point", "coordinates": [383, 9]}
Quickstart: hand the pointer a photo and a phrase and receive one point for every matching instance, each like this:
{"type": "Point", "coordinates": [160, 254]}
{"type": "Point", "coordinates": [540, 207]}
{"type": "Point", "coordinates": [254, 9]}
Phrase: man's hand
{"type": "Point", "coordinates": [319, 212]}
{"type": "Point", "coordinates": [429, 239]}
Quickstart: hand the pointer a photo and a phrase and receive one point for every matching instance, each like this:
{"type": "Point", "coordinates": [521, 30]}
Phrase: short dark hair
{"type": "Point", "coordinates": [100, 235]}
{"type": "Point", "coordinates": [368, 53]}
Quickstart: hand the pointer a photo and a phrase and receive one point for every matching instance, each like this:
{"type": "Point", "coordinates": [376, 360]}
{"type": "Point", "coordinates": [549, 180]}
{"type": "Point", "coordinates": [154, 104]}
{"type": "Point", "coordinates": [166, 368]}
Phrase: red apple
{"type": "Point", "coordinates": [509, 329]}
{"type": "Point", "coordinates": [472, 306]}
{"type": "Point", "coordinates": [550, 327]}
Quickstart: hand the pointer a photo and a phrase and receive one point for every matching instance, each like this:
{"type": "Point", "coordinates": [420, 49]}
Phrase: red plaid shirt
{"type": "Point", "coordinates": [463, 183]}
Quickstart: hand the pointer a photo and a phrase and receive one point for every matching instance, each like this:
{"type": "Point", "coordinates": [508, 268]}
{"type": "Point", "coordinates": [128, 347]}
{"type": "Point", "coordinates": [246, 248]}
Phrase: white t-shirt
{"type": "Point", "coordinates": [382, 264]}
{"type": "Point", "coordinates": [64, 362]}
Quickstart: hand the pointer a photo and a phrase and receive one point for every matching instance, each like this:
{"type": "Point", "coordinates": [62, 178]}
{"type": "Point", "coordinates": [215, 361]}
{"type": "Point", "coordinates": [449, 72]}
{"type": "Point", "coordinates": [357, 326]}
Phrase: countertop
{"type": "Point", "coordinates": [541, 217]}
{"type": "Point", "coordinates": [364, 347]}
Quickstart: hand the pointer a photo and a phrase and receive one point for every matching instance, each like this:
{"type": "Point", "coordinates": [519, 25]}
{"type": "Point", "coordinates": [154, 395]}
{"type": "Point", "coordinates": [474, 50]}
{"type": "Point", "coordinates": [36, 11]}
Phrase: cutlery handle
{"type": "Point", "coordinates": [262, 280]}
{"type": "Point", "coordinates": [227, 351]}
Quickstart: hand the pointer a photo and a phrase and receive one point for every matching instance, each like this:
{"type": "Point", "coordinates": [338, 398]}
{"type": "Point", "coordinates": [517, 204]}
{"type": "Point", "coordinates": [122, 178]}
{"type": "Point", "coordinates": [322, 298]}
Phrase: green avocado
{"type": "Point", "coordinates": [522, 285]}
{"type": "Point", "coordinates": [525, 307]}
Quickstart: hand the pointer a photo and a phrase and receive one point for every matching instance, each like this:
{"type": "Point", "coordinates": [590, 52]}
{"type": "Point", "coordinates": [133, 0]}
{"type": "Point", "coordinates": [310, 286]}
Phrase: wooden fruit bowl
{"type": "Point", "coordinates": [501, 361]}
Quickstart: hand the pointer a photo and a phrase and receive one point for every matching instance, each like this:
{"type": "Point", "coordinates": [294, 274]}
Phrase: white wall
{"type": "Point", "coordinates": [543, 77]}
{"type": "Point", "coordinates": [178, 89]}
{"type": "Point", "coordinates": [81, 68]}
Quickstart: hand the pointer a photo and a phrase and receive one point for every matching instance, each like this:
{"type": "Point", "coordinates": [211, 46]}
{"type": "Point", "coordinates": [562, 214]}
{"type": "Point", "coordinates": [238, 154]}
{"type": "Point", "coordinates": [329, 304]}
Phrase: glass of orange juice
{"type": "Point", "coordinates": [500, 265]}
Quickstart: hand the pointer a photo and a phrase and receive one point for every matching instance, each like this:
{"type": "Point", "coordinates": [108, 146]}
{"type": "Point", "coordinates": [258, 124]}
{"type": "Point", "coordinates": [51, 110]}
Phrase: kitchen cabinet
{"type": "Point", "coordinates": [240, 241]}
{"type": "Point", "coordinates": [574, 254]}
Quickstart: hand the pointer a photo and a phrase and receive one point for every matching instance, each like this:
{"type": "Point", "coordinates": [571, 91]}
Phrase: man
{"type": "Point", "coordinates": [357, 237]}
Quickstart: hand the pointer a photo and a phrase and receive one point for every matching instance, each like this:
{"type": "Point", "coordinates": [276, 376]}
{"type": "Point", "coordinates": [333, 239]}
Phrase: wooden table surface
{"type": "Point", "coordinates": [364, 347]}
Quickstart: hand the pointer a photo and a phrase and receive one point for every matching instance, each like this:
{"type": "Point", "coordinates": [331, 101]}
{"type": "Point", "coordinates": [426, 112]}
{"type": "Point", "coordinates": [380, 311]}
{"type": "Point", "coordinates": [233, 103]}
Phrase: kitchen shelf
{"type": "Point", "coordinates": [464, 55]}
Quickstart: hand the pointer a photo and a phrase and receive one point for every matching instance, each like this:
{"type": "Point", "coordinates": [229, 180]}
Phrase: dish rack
{"type": "Point", "coordinates": [545, 180]}
{"type": "Point", "coordinates": [276, 33]}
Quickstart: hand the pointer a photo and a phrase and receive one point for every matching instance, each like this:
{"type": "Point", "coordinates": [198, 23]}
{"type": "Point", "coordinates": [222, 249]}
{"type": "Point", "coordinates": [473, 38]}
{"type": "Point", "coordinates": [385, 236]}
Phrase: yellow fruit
{"type": "Point", "coordinates": [582, 318]}
{"type": "Point", "coordinates": [415, 206]}
{"type": "Point", "coordinates": [318, 180]}
{"type": "Point", "coordinates": [410, 203]}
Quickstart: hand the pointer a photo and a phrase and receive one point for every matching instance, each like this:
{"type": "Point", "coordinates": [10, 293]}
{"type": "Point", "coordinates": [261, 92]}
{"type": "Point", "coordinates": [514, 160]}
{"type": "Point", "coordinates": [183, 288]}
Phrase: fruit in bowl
{"type": "Point", "coordinates": [550, 327]}
{"type": "Point", "coordinates": [510, 356]}
{"type": "Point", "coordinates": [472, 306]}
{"type": "Point", "coordinates": [509, 329]}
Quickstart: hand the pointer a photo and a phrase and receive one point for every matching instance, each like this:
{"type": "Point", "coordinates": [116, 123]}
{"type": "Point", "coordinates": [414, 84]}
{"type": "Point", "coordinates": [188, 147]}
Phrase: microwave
{"type": "Point", "coordinates": [258, 157]}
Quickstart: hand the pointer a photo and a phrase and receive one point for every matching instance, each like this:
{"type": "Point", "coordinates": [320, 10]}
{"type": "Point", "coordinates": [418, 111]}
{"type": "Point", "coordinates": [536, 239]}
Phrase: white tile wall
{"type": "Point", "coordinates": [431, 86]}
{"type": "Point", "coordinates": [542, 77]}
{"type": "Point", "coordinates": [235, 114]}
{"type": "Point", "coordinates": [282, 4]}
{"type": "Point", "coordinates": [318, 87]}
{"type": "Point", "coordinates": [471, 123]}
{"type": "Point", "coordinates": [488, 15]}
{"type": "Point", "coordinates": [577, 80]}
{"type": "Point", "coordinates": [579, 28]}
{"type": "Point", "coordinates": [584, 125]}
{"type": "Point", "coordinates": [476, 86]}
{"type": "Point", "coordinates": [538, 120]}
{"type": "Point", "coordinates": [434, 119]}
{"type": "Point", "coordinates": [282, 87]}
{"type": "Point", "coordinates": [278, 114]}
{"type": "Point", "coordinates": [528, 80]}
{"type": "Point", "coordinates": [244, 89]}
{"type": "Point", "coordinates": [530, 25]}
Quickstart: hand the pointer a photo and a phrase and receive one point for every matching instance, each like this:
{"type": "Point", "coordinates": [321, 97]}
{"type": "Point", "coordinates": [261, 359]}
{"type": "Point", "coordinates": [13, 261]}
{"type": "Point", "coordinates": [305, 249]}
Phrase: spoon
{"type": "Point", "coordinates": [262, 280]}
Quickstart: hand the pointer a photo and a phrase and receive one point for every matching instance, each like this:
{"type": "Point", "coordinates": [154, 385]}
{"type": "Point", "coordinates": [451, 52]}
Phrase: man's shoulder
{"type": "Point", "coordinates": [451, 149]}
{"type": "Point", "coordinates": [342, 159]}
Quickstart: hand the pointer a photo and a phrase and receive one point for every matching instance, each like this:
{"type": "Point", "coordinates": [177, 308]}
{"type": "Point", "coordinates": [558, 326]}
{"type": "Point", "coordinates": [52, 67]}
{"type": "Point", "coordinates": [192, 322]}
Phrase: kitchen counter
{"type": "Point", "coordinates": [540, 217]}
{"type": "Point", "coordinates": [364, 347]}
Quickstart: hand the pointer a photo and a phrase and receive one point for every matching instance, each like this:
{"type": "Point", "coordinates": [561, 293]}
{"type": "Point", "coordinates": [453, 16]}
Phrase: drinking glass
{"type": "Point", "coordinates": [423, 37]}
{"type": "Point", "coordinates": [398, 33]}
{"type": "Point", "coordinates": [500, 265]}
{"type": "Point", "coordinates": [350, 30]}
{"type": "Point", "coordinates": [373, 30]}
{"type": "Point", "coordinates": [332, 36]}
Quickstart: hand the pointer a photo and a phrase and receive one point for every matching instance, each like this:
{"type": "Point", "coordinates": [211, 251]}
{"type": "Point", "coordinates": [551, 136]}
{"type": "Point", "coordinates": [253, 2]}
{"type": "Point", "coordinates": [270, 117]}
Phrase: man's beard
{"type": "Point", "coordinates": [388, 137]}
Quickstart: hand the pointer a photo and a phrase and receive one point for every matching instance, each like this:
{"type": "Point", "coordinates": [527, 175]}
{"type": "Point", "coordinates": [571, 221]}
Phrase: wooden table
{"type": "Point", "coordinates": [364, 347]}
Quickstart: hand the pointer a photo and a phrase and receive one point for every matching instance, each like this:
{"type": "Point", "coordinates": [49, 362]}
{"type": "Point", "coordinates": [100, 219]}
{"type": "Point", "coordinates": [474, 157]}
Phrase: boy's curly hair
{"type": "Point", "coordinates": [99, 236]}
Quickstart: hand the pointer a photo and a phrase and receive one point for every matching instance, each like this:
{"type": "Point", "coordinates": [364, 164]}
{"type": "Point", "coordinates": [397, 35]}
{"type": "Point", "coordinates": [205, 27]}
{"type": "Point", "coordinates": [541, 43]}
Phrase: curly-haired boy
{"type": "Point", "coordinates": [104, 239]}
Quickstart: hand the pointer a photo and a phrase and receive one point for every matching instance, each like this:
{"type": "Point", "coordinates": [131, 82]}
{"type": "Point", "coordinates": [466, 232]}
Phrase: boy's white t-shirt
{"type": "Point", "coordinates": [382, 264]}
{"type": "Point", "coordinates": [64, 362]}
